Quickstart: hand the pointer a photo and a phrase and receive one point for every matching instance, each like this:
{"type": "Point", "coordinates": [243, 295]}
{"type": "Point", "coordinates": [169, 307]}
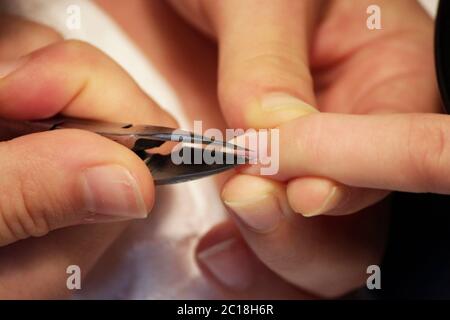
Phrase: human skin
{"type": "Point", "coordinates": [45, 175]}
{"type": "Point", "coordinates": [347, 244]}
{"type": "Point", "coordinates": [195, 58]}
{"type": "Point", "coordinates": [282, 48]}
{"type": "Point", "coordinates": [35, 267]}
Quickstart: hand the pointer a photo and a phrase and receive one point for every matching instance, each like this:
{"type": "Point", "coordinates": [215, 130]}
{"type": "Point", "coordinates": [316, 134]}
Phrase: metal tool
{"type": "Point", "coordinates": [141, 138]}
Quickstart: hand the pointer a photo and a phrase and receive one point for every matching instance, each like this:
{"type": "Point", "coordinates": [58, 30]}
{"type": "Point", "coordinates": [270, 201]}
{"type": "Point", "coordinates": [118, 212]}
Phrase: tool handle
{"type": "Point", "coordinates": [120, 133]}
{"type": "Point", "coordinates": [10, 129]}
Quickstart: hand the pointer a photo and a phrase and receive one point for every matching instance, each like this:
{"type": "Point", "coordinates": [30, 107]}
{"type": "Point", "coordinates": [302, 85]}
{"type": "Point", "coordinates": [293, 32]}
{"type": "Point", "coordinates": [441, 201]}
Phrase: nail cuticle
{"type": "Point", "coordinates": [111, 190]}
{"type": "Point", "coordinates": [258, 214]}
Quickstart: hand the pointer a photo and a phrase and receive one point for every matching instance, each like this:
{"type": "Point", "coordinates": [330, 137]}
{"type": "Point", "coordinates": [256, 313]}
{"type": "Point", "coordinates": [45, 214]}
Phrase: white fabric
{"type": "Point", "coordinates": [430, 6]}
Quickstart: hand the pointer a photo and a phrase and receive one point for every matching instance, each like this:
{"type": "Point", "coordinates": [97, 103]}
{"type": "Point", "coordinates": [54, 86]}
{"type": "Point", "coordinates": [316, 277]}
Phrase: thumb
{"type": "Point", "coordinates": [264, 76]}
{"type": "Point", "coordinates": [56, 179]}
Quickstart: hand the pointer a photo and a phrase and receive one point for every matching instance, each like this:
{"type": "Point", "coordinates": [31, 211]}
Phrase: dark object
{"type": "Point", "coordinates": [442, 52]}
{"type": "Point", "coordinates": [417, 260]}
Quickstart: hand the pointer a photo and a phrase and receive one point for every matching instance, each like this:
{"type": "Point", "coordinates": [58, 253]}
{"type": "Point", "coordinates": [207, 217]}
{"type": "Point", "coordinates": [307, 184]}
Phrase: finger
{"type": "Point", "coordinates": [23, 98]}
{"type": "Point", "coordinates": [311, 196]}
{"type": "Point", "coordinates": [342, 58]}
{"type": "Point", "coordinates": [263, 65]}
{"type": "Point", "coordinates": [308, 194]}
{"type": "Point", "coordinates": [264, 76]}
{"type": "Point", "coordinates": [20, 37]}
{"type": "Point", "coordinates": [362, 71]}
{"type": "Point", "coordinates": [396, 152]}
{"type": "Point", "coordinates": [226, 260]}
{"type": "Point", "coordinates": [47, 185]}
{"type": "Point", "coordinates": [82, 245]}
{"type": "Point", "coordinates": [302, 250]}
{"type": "Point", "coordinates": [36, 268]}
{"type": "Point", "coordinates": [76, 79]}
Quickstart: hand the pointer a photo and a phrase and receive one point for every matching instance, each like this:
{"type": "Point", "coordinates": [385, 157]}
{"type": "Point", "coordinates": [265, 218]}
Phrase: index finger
{"type": "Point", "coordinates": [404, 152]}
{"type": "Point", "coordinates": [76, 79]}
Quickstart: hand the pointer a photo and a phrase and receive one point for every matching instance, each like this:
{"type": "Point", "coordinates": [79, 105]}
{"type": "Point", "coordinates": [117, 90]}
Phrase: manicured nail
{"type": "Point", "coordinates": [261, 214]}
{"type": "Point", "coordinates": [229, 262]}
{"type": "Point", "coordinates": [281, 101]}
{"type": "Point", "coordinates": [332, 196]}
{"type": "Point", "coordinates": [275, 108]}
{"type": "Point", "coordinates": [111, 190]}
{"type": "Point", "coordinates": [7, 67]}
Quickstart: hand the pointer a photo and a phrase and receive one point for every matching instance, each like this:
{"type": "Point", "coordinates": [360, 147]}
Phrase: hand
{"type": "Point", "coordinates": [66, 178]}
{"type": "Point", "coordinates": [276, 60]}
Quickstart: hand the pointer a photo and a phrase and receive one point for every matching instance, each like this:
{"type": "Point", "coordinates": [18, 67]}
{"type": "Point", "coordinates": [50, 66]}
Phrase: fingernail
{"type": "Point", "coordinates": [275, 108]}
{"type": "Point", "coordinates": [249, 142]}
{"type": "Point", "coordinates": [7, 67]}
{"type": "Point", "coordinates": [229, 262]}
{"type": "Point", "coordinates": [332, 196]}
{"type": "Point", "coordinates": [279, 101]}
{"type": "Point", "coordinates": [260, 214]}
{"type": "Point", "coordinates": [111, 190]}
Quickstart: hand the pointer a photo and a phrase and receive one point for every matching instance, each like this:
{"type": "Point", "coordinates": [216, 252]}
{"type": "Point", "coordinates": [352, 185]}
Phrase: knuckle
{"type": "Point", "coordinates": [308, 133]}
{"type": "Point", "coordinates": [33, 217]}
{"type": "Point", "coordinates": [77, 46]}
{"type": "Point", "coordinates": [427, 148]}
{"type": "Point", "coordinates": [266, 71]}
{"type": "Point", "coordinates": [77, 51]}
{"type": "Point", "coordinates": [29, 34]}
{"type": "Point", "coordinates": [269, 61]}
{"type": "Point", "coordinates": [20, 217]}
{"type": "Point", "coordinates": [45, 35]}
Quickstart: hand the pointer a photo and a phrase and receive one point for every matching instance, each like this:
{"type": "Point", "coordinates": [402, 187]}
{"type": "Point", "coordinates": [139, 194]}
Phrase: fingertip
{"type": "Point", "coordinates": [243, 186]}
{"type": "Point", "coordinates": [257, 204]}
{"type": "Point", "coordinates": [264, 73]}
{"type": "Point", "coordinates": [118, 181]}
{"type": "Point", "coordinates": [223, 256]}
{"type": "Point", "coordinates": [69, 177]}
{"type": "Point", "coordinates": [275, 108]}
{"type": "Point", "coordinates": [311, 196]}
{"type": "Point", "coordinates": [254, 106]}
{"type": "Point", "coordinates": [138, 173]}
{"type": "Point", "coordinates": [104, 170]}
{"type": "Point", "coordinates": [314, 196]}
{"type": "Point", "coordinates": [19, 89]}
